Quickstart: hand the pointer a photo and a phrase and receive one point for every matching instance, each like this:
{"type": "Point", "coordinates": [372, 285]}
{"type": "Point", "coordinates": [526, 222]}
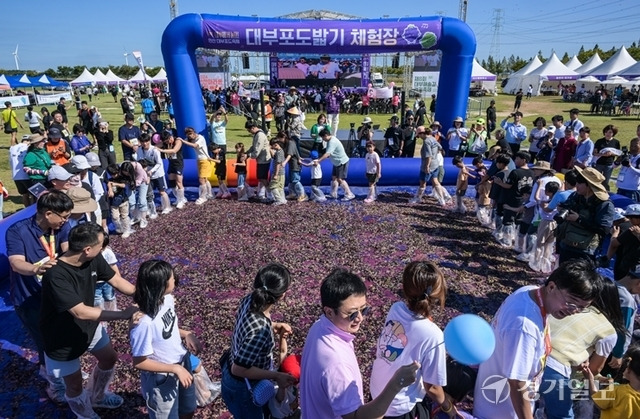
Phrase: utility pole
{"type": "Point", "coordinates": [462, 13]}
{"type": "Point", "coordinates": [173, 8]}
{"type": "Point", "coordinates": [496, 20]}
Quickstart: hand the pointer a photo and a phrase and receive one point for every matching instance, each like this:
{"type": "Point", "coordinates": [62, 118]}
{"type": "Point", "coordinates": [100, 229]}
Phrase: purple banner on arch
{"type": "Point", "coordinates": [323, 36]}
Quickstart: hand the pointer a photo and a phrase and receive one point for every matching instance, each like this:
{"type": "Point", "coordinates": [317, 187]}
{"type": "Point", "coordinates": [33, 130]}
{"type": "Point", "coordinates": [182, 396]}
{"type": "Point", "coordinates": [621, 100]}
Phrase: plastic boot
{"type": "Point", "coordinates": [180, 200]}
{"type": "Point", "coordinates": [153, 213]}
{"type": "Point", "coordinates": [318, 194]}
{"type": "Point", "coordinates": [209, 191]}
{"type": "Point", "coordinates": [166, 204]}
{"type": "Point", "coordinates": [508, 236]}
{"type": "Point", "coordinates": [460, 207]}
{"type": "Point", "coordinates": [118, 225]}
{"type": "Point", "coordinates": [418, 198]}
{"type": "Point", "coordinates": [99, 383]}
{"type": "Point", "coordinates": [202, 195]}
{"type": "Point", "coordinates": [347, 191]}
{"type": "Point", "coordinates": [81, 406]}
{"type": "Point", "coordinates": [520, 246]}
{"type": "Point", "coordinates": [334, 189]}
{"type": "Point", "coordinates": [445, 196]}
{"type": "Point", "coordinates": [143, 219]}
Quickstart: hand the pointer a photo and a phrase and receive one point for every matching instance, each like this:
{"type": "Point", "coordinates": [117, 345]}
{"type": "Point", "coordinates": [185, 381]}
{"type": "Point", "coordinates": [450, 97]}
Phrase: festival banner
{"type": "Point", "coordinates": [321, 36]}
{"type": "Point", "coordinates": [16, 101]}
{"type": "Point", "coordinates": [54, 98]}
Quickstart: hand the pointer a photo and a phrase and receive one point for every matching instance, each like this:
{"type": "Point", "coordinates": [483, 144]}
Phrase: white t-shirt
{"type": "Point", "coordinates": [159, 338]}
{"type": "Point", "coordinates": [371, 161]}
{"type": "Point", "coordinates": [316, 172]}
{"type": "Point", "coordinates": [404, 339]}
{"type": "Point", "coordinates": [519, 355]}
{"type": "Point", "coordinates": [201, 148]}
{"type": "Point", "coordinates": [536, 134]}
{"type": "Point", "coordinates": [152, 154]}
{"type": "Point", "coordinates": [109, 256]}
{"type": "Point", "coordinates": [455, 140]}
{"type": "Point", "coordinates": [16, 158]}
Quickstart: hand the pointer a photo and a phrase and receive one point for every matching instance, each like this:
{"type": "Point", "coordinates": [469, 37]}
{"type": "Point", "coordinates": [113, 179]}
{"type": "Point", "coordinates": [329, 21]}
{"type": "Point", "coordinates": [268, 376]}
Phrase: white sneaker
{"type": "Point", "coordinates": [201, 200]}
{"type": "Point", "coordinates": [180, 204]}
{"type": "Point", "coordinates": [144, 223]}
{"type": "Point", "coordinates": [348, 197]}
{"type": "Point", "coordinates": [166, 211]}
{"type": "Point", "coordinates": [126, 234]}
{"type": "Point", "coordinates": [153, 216]}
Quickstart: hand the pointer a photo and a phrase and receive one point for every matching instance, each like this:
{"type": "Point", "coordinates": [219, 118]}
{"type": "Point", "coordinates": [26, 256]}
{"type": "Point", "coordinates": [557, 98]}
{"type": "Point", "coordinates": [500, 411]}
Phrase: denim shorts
{"type": "Point", "coordinates": [165, 396]}
{"type": "Point", "coordinates": [61, 369]}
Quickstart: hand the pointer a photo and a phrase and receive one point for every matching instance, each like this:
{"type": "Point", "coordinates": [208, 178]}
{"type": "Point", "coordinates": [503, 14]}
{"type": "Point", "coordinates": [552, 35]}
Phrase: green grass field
{"type": "Point", "coordinates": [545, 106]}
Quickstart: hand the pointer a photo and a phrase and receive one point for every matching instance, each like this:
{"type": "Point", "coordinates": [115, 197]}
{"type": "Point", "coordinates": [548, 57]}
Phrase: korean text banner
{"type": "Point", "coordinates": [321, 36]}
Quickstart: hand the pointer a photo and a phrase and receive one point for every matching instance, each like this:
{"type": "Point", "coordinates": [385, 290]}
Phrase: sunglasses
{"type": "Point", "coordinates": [365, 312]}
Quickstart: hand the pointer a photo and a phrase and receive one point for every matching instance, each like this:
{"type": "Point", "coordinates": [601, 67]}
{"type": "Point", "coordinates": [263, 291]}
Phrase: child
{"type": "Point", "coordinates": [119, 189]}
{"type": "Point", "coordinates": [220, 160]}
{"type": "Point", "coordinates": [158, 351]}
{"type": "Point", "coordinates": [285, 403]}
{"type": "Point", "coordinates": [542, 259]}
{"type": "Point", "coordinates": [276, 186]}
{"type": "Point", "coordinates": [462, 183]}
{"type": "Point", "coordinates": [241, 171]}
{"type": "Point", "coordinates": [373, 169]}
{"type": "Point", "coordinates": [316, 177]}
{"type": "Point", "coordinates": [483, 187]}
{"type": "Point", "coordinates": [502, 166]}
{"type": "Point", "coordinates": [618, 401]}
{"type": "Point", "coordinates": [104, 297]}
{"type": "Point", "coordinates": [524, 224]}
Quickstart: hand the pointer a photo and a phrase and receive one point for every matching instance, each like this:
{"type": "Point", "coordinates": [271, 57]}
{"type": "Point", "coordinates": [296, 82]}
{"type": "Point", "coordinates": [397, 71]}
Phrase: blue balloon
{"type": "Point", "coordinates": [469, 339]}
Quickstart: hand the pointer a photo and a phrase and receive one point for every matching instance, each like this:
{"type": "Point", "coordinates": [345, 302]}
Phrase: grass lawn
{"type": "Point", "coordinates": [545, 106]}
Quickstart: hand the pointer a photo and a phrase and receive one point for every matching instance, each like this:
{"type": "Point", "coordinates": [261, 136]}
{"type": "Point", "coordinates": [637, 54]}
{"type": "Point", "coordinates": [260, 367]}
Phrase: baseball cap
{"type": "Point", "coordinates": [92, 159]}
{"type": "Point", "coordinates": [632, 210]}
{"type": "Point", "coordinates": [58, 173]}
{"type": "Point", "coordinates": [635, 271]}
{"type": "Point", "coordinates": [54, 133]}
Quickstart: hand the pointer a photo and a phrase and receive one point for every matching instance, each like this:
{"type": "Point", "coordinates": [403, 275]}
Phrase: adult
{"type": "Point", "coordinates": [574, 122]}
{"type": "Point", "coordinates": [57, 147]}
{"type": "Point", "coordinates": [589, 217]}
{"type": "Point", "coordinates": [321, 123]}
{"type": "Point", "coordinates": [562, 156]}
{"type": "Point", "coordinates": [515, 132]}
{"type": "Point", "coordinates": [47, 118]}
{"type": "Point", "coordinates": [327, 69]}
{"type": "Point", "coordinates": [584, 150]}
{"type": "Point", "coordinates": [250, 358]}
{"type": "Point", "coordinates": [280, 112]}
{"type": "Point", "coordinates": [10, 122]}
{"type": "Point", "coordinates": [20, 177]}
{"type": "Point", "coordinates": [333, 101]}
{"type": "Point", "coordinates": [429, 165]}
{"type": "Point", "coordinates": [529, 91]}
{"type": "Point", "coordinates": [410, 334]}
{"type": "Point", "coordinates": [518, 100]}
{"type": "Point", "coordinates": [603, 150]}
{"type": "Point", "coordinates": [538, 132]}
{"type": "Point", "coordinates": [106, 150]}
{"type": "Point", "coordinates": [394, 137]}
{"type": "Point", "coordinates": [80, 143]}
{"type": "Point", "coordinates": [259, 151]}
{"type": "Point", "coordinates": [491, 118]}
{"type": "Point", "coordinates": [36, 163]}
{"type": "Point", "coordinates": [432, 107]}
{"type": "Point", "coordinates": [33, 118]}
{"type": "Point", "coordinates": [409, 134]}
{"type": "Point", "coordinates": [364, 135]}
{"type": "Point", "coordinates": [70, 324]}
{"type": "Point", "coordinates": [421, 113]}
{"type": "Point", "coordinates": [523, 341]}
{"type": "Point", "coordinates": [59, 124]}
{"type": "Point", "coordinates": [33, 245]}
{"type": "Point", "coordinates": [292, 158]}
{"type": "Point", "coordinates": [172, 149]}
{"type": "Point", "coordinates": [218, 128]}
{"type": "Point", "coordinates": [457, 138]}
{"type": "Point", "coordinates": [62, 108]}
{"type": "Point", "coordinates": [477, 139]}
{"type": "Point", "coordinates": [85, 115]}
{"type": "Point", "coordinates": [147, 106]}
{"type": "Point", "coordinates": [340, 161]}
{"type": "Point", "coordinates": [625, 245]}
{"type": "Point", "coordinates": [129, 137]}
{"type": "Point", "coordinates": [330, 378]}
{"type": "Point", "coordinates": [628, 182]}
{"type": "Point", "coordinates": [294, 126]}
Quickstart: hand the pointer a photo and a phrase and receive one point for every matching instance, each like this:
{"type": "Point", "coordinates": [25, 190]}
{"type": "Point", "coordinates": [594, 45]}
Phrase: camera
{"type": "Point", "coordinates": [624, 159]}
{"type": "Point", "coordinates": [352, 125]}
{"type": "Point", "coordinates": [561, 216]}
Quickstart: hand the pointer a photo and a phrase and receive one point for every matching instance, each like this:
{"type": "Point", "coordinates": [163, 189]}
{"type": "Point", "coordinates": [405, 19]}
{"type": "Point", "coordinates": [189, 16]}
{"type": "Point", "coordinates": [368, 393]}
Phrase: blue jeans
{"type": "Point", "coordinates": [606, 172]}
{"type": "Point", "coordinates": [556, 392]}
{"type": "Point", "coordinates": [237, 397]}
{"type": "Point", "coordinates": [138, 200]}
{"type": "Point", "coordinates": [104, 292]}
{"type": "Point", "coordinates": [242, 178]}
{"type": "Point", "coordinates": [294, 182]}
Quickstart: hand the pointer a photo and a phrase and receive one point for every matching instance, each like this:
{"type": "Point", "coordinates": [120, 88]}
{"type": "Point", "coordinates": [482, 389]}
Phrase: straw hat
{"type": "Point", "coordinates": [543, 165]}
{"type": "Point", "coordinates": [36, 138]}
{"type": "Point", "coordinates": [594, 179]}
{"type": "Point", "coordinates": [293, 111]}
{"type": "Point", "coordinates": [366, 120]}
{"type": "Point", "coordinates": [434, 123]}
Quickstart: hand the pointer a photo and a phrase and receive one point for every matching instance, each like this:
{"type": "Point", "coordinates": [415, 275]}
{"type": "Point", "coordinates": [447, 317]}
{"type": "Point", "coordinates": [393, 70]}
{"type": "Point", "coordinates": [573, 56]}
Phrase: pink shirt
{"type": "Point", "coordinates": [330, 379]}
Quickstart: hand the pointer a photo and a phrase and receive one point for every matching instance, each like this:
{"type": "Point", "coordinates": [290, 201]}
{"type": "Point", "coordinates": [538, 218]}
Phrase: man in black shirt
{"type": "Point", "coordinates": [63, 111]}
{"type": "Point", "coordinates": [394, 137]}
{"type": "Point", "coordinates": [491, 118]}
{"type": "Point", "coordinates": [70, 324]}
{"type": "Point", "coordinates": [602, 149]}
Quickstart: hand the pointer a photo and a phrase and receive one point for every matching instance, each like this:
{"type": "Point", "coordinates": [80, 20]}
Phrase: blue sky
{"type": "Point", "coordinates": [97, 33]}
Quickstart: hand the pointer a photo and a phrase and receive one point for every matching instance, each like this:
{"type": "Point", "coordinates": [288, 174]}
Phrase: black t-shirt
{"type": "Point", "coordinates": [601, 144]}
{"type": "Point", "coordinates": [420, 115]}
{"type": "Point", "coordinates": [105, 139]}
{"type": "Point", "coordinates": [241, 158]}
{"type": "Point", "coordinates": [63, 287]}
{"type": "Point", "coordinates": [627, 255]}
{"type": "Point", "coordinates": [519, 178]}
{"type": "Point", "coordinates": [394, 137]}
{"type": "Point", "coordinates": [292, 150]}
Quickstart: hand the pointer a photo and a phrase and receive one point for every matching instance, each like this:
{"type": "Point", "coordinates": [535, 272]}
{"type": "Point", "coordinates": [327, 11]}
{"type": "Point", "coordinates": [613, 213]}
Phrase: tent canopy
{"type": "Point", "coordinates": [478, 73]}
{"type": "Point", "coordinates": [19, 81]}
{"type": "Point", "coordinates": [101, 78]}
{"type": "Point", "coordinates": [573, 63]}
{"type": "Point", "coordinates": [140, 77]}
{"type": "Point", "coordinates": [631, 72]}
{"type": "Point", "coordinates": [162, 76]}
{"type": "Point", "coordinates": [618, 62]}
{"type": "Point", "coordinates": [113, 78]}
{"type": "Point", "coordinates": [548, 74]}
{"type": "Point", "coordinates": [83, 79]}
{"type": "Point", "coordinates": [3, 80]}
{"type": "Point", "coordinates": [515, 81]}
{"type": "Point", "coordinates": [591, 63]}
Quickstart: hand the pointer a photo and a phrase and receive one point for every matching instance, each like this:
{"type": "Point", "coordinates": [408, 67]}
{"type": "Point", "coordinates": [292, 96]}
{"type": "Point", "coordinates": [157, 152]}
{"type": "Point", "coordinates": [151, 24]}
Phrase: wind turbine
{"type": "Point", "coordinates": [126, 57]}
{"type": "Point", "coordinates": [15, 57]}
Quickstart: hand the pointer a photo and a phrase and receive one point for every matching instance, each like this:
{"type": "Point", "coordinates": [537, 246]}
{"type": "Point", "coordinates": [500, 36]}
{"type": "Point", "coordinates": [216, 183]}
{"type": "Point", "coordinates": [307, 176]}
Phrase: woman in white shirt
{"type": "Point", "coordinates": [33, 118]}
{"type": "Point", "coordinates": [457, 138]}
{"type": "Point", "coordinates": [537, 133]}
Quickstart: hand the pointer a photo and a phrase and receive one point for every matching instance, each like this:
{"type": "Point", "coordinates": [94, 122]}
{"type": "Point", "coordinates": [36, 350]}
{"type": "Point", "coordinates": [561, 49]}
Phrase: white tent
{"type": "Point", "coordinates": [113, 78]}
{"type": "Point", "coordinates": [3, 80]}
{"type": "Point", "coordinates": [631, 72]}
{"type": "Point", "coordinates": [573, 63]}
{"type": "Point", "coordinates": [591, 63]}
{"type": "Point", "coordinates": [481, 78]}
{"type": "Point", "coordinates": [161, 77]}
{"type": "Point", "coordinates": [83, 79]}
{"type": "Point", "coordinates": [140, 77]}
{"type": "Point", "coordinates": [547, 76]}
{"type": "Point", "coordinates": [615, 80]}
{"type": "Point", "coordinates": [514, 83]}
{"type": "Point", "coordinates": [101, 78]}
{"type": "Point", "coordinates": [618, 62]}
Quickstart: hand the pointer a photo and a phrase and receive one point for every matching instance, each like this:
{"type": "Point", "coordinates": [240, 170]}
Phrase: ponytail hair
{"type": "Point", "coordinates": [269, 286]}
{"type": "Point", "coordinates": [424, 287]}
